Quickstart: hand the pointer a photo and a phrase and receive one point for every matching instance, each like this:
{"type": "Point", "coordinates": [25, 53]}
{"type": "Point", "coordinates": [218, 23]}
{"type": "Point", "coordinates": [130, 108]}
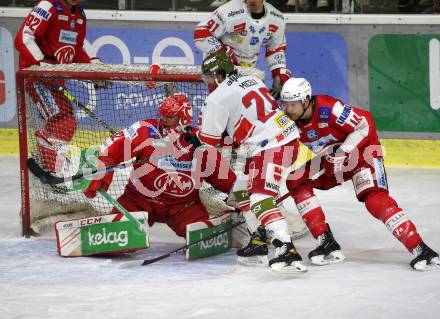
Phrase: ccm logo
{"type": "Point", "coordinates": [2, 88]}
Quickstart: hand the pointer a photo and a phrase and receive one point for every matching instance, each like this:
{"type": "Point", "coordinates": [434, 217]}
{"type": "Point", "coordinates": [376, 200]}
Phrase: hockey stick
{"type": "Point", "coordinates": [83, 107]}
{"type": "Point", "coordinates": [182, 248]}
{"type": "Point", "coordinates": [127, 214]}
{"type": "Point", "coordinates": [48, 178]}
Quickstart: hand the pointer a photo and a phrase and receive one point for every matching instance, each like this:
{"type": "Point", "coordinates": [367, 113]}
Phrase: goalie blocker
{"type": "Point", "coordinates": [114, 233]}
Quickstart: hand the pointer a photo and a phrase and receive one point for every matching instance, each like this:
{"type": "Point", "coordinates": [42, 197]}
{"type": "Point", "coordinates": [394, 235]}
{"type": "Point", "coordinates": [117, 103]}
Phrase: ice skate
{"type": "Point", "coordinates": [286, 260]}
{"type": "Point", "coordinates": [255, 253]}
{"type": "Point", "coordinates": [425, 258]}
{"type": "Point", "coordinates": [328, 250]}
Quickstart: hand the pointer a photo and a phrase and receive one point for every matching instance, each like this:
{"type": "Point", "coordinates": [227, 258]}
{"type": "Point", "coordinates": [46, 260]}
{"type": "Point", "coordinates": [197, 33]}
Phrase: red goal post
{"type": "Point", "coordinates": [119, 95]}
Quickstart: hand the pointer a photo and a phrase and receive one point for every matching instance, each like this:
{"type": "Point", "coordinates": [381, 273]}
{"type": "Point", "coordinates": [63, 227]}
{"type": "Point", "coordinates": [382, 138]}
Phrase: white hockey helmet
{"type": "Point", "coordinates": [296, 89]}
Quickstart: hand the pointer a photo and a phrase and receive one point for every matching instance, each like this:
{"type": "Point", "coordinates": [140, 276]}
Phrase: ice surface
{"type": "Point", "coordinates": [375, 281]}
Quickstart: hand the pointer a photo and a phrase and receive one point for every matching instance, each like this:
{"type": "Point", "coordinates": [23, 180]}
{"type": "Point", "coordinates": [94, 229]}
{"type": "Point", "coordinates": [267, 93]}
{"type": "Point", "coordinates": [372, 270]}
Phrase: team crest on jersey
{"type": "Point", "coordinates": [65, 54]}
{"type": "Point", "coordinates": [312, 135]}
{"type": "Point", "coordinates": [324, 113]}
{"type": "Point", "coordinates": [174, 183]}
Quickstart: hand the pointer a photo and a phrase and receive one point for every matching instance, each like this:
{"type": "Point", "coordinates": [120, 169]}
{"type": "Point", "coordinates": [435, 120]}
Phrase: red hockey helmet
{"type": "Point", "coordinates": [177, 104]}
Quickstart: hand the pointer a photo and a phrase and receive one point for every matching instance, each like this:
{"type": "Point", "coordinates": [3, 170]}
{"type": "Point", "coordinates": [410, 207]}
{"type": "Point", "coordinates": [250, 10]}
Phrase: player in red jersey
{"type": "Point", "coordinates": [167, 187]}
{"type": "Point", "coordinates": [348, 148]}
{"type": "Point", "coordinates": [52, 33]}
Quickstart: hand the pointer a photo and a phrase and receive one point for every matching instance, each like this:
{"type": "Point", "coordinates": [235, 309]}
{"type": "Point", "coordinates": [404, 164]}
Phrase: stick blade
{"type": "Point", "coordinates": [131, 264]}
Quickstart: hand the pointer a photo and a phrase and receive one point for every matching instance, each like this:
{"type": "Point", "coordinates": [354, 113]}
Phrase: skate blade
{"type": "Point", "coordinates": [254, 261]}
{"type": "Point", "coordinates": [423, 266]}
{"type": "Point", "coordinates": [335, 257]}
{"type": "Point", "coordinates": [296, 267]}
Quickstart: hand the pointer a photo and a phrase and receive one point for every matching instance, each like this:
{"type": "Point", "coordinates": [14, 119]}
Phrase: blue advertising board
{"type": "Point", "coordinates": [322, 58]}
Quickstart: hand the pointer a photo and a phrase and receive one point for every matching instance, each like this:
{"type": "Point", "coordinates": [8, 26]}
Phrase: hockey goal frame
{"type": "Point", "coordinates": [58, 73]}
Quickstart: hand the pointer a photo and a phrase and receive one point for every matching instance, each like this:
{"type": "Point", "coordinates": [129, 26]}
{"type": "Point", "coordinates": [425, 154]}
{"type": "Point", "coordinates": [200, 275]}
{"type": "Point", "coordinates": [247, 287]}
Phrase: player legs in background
{"type": "Point", "coordinates": [60, 125]}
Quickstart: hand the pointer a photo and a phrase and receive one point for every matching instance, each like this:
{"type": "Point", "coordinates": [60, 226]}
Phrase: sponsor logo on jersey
{"type": "Point", "coordinates": [252, 29]}
{"type": "Point", "coordinates": [68, 37]}
{"type": "Point", "coordinates": [174, 183]}
{"type": "Point", "coordinates": [262, 30]}
{"type": "Point", "coordinates": [286, 132]}
{"type": "Point", "coordinates": [254, 41]}
{"type": "Point", "coordinates": [379, 170]}
{"type": "Point", "coordinates": [362, 180]}
{"type": "Point", "coordinates": [264, 143]}
{"type": "Point", "coordinates": [265, 40]}
{"type": "Point", "coordinates": [281, 119]}
{"type": "Point", "coordinates": [42, 13]}
{"type": "Point", "coordinates": [62, 17]}
{"type": "Point", "coordinates": [79, 21]}
{"type": "Point", "coordinates": [240, 27]}
{"type": "Point", "coordinates": [324, 113]}
{"type": "Point", "coordinates": [312, 135]}
{"type": "Point", "coordinates": [345, 114]}
{"type": "Point", "coordinates": [234, 13]}
{"type": "Point", "coordinates": [273, 28]}
{"type": "Point", "coordinates": [276, 14]}
{"type": "Point", "coordinates": [170, 163]}
{"type": "Point", "coordinates": [58, 7]}
{"type": "Point", "coordinates": [132, 132]}
{"type": "Point", "coordinates": [319, 144]}
{"type": "Point", "coordinates": [72, 25]}
{"type": "Point", "coordinates": [322, 125]}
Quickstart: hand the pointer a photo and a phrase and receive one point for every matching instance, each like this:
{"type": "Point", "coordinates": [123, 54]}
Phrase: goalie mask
{"type": "Point", "coordinates": [177, 106]}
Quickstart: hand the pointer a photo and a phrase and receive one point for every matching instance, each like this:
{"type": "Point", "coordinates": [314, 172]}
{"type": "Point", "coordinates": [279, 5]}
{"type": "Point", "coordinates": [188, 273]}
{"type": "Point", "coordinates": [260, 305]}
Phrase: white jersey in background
{"type": "Point", "coordinates": [232, 25]}
{"type": "Point", "coordinates": [242, 106]}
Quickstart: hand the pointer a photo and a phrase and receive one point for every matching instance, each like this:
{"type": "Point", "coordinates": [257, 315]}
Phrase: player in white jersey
{"type": "Point", "coordinates": [241, 107]}
{"type": "Point", "coordinates": [240, 28]}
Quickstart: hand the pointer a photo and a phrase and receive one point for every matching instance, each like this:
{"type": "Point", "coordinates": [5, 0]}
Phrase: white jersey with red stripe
{"type": "Point", "coordinates": [242, 106]}
{"type": "Point", "coordinates": [232, 25]}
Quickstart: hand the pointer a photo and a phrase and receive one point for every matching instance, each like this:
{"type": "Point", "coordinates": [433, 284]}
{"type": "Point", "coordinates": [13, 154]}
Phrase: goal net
{"type": "Point", "coordinates": [53, 98]}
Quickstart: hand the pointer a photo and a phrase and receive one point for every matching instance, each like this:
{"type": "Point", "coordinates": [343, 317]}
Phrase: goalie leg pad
{"type": "Point", "coordinates": [198, 230]}
{"type": "Point", "coordinates": [100, 235]}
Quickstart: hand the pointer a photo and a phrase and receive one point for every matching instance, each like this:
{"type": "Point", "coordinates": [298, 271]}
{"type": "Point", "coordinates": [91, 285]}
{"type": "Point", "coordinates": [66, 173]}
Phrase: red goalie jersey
{"type": "Point", "coordinates": [176, 169]}
{"type": "Point", "coordinates": [52, 33]}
